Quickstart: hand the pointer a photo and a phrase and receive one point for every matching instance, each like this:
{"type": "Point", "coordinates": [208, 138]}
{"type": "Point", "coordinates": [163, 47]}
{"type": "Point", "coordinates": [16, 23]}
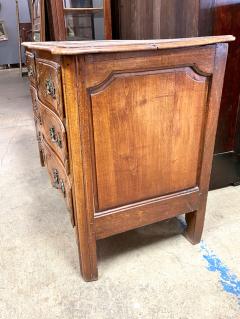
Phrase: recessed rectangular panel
{"type": "Point", "coordinates": [147, 132]}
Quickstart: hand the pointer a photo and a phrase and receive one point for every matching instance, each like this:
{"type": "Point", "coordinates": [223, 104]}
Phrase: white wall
{"type": "Point", "coordinates": [9, 48]}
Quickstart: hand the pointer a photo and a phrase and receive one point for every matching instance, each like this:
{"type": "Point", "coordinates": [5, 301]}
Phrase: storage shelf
{"type": "Point", "coordinates": [82, 10]}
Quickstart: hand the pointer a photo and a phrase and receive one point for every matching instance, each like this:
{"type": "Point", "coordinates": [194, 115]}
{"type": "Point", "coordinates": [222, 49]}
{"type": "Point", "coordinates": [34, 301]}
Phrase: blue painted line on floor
{"type": "Point", "coordinates": [229, 281]}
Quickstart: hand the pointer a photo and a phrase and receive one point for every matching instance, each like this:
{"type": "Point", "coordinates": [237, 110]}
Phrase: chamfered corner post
{"type": "Point", "coordinates": [74, 98]}
{"type": "Point", "coordinates": [195, 220]}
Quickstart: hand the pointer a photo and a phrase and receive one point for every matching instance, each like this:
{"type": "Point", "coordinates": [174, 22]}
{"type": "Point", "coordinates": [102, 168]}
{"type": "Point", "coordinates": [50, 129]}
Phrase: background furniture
{"type": "Point", "coordinates": [160, 19]}
{"type": "Point", "coordinates": [38, 20]}
{"type": "Point", "coordinates": [123, 152]}
{"type": "Point", "coordinates": [226, 163]}
{"type": "Point", "coordinates": [77, 20]}
{"type": "Point", "coordinates": [147, 19]}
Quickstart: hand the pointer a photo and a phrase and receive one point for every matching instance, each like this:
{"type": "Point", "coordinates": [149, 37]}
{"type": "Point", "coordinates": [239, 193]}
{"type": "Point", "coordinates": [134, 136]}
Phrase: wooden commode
{"type": "Point", "coordinates": [126, 130]}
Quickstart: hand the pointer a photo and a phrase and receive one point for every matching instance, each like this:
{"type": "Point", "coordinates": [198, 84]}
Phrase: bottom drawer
{"type": "Point", "coordinates": [39, 139]}
{"type": "Point", "coordinates": [58, 176]}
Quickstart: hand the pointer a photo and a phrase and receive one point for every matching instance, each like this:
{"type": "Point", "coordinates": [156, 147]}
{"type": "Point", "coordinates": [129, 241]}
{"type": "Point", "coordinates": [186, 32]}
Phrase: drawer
{"type": "Point", "coordinates": [58, 176]}
{"type": "Point", "coordinates": [54, 133]}
{"type": "Point", "coordinates": [33, 92]}
{"type": "Point", "coordinates": [38, 129]}
{"type": "Point", "coordinates": [30, 62]}
{"type": "Point", "coordinates": [49, 85]}
{"type": "Point", "coordinates": [39, 138]}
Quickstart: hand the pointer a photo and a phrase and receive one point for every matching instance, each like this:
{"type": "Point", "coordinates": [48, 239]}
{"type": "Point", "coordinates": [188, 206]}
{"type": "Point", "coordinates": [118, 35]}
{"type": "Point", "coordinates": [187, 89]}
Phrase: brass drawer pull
{"type": "Point", "coordinates": [35, 106]}
{"type": "Point", "coordinates": [57, 182]}
{"type": "Point", "coordinates": [50, 88]}
{"type": "Point", "coordinates": [39, 137]}
{"type": "Point", "coordinates": [30, 71]}
{"type": "Point", "coordinates": [55, 138]}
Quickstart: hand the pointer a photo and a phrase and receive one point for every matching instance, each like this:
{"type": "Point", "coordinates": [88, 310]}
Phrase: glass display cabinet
{"type": "Point", "coordinates": [84, 19]}
{"type": "Point", "coordinates": [38, 20]}
{"type": "Point", "coordinates": [78, 20]}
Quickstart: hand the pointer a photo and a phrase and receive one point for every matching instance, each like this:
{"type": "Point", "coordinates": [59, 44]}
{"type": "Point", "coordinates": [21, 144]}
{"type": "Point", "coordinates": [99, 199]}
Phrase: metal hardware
{"type": "Point", "coordinates": [50, 88]}
{"type": "Point", "coordinates": [39, 137]}
{"type": "Point", "coordinates": [55, 179]}
{"type": "Point", "coordinates": [35, 106]}
{"type": "Point", "coordinates": [30, 71]}
{"type": "Point", "coordinates": [57, 182]}
{"type": "Point", "coordinates": [55, 138]}
{"type": "Point", "coordinates": [62, 187]}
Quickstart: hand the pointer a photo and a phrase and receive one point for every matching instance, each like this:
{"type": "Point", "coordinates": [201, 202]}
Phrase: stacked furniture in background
{"type": "Point", "coordinates": [160, 19]}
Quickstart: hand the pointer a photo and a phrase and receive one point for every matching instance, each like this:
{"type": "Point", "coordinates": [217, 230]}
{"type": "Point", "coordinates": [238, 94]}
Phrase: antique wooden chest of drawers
{"type": "Point", "coordinates": [126, 130]}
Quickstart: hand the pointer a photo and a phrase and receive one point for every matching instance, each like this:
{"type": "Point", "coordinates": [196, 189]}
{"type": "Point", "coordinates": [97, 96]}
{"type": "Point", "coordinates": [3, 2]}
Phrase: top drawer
{"type": "Point", "coordinates": [49, 84]}
{"type": "Point", "coordinates": [30, 62]}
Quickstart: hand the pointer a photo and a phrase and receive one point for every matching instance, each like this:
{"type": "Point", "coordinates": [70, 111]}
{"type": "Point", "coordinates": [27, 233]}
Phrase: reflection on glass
{"type": "Point", "coordinates": [36, 9]}
{"type": "Point", "coordinates": [88, 26]}
{"type": "Point", "coordinates": [36, 36]}
{"type": "Point", "coordinates": [83, 3]}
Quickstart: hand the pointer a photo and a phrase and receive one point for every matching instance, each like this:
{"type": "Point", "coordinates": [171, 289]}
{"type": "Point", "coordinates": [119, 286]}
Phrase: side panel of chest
{"type": "Point", "coordinates": [147, 119]}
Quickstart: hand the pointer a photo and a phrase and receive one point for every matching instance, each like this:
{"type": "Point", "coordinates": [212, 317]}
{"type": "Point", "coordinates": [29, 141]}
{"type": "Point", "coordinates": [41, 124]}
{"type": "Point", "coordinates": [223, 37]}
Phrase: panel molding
{"type": "Point", "coordinates": [193, 71]}
{"type": "Point", "coordinates": [190, 71]}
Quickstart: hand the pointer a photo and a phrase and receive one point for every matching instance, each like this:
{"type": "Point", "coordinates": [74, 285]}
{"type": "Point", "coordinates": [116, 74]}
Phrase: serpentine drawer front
{"type": "Point", "coordinates": [128, 131]}
{"type": "Point", "coordinates": [30, 62]}
{"type": "Point", "coordinates": [58, 176]}
{"type": "Point", "coordinates": [37, 121]}
{"type": "Point", "coordinates": [54, 132]}
{"type": "Point", "coordinates": [49, 84]}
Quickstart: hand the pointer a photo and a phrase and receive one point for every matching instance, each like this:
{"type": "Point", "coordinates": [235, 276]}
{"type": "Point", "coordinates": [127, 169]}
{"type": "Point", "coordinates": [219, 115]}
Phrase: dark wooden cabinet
{"type": "Point", "coordinates": [126, 130]}
{"type": "Point", "coordinates": [226, 163]}
{"type": "Point", "coordinates": [161, 19]}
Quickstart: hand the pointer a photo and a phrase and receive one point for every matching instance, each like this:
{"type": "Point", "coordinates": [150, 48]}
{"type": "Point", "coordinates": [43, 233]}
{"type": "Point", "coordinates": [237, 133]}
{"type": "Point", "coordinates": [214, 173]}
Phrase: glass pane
{"type": "Point", "coordinates": [36, 9]}
{"type": "Point", "coordinates": [88, 26]}
{"type": "Point", "coordinates": [83, 3]}
{"type": "Point", "coordinates": [36, 36]}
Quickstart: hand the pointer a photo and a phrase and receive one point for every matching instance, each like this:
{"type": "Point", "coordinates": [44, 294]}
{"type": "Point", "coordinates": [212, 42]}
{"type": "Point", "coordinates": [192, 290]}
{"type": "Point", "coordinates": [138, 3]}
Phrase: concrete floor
{"type": "Point", "coordinates": [150, 273]}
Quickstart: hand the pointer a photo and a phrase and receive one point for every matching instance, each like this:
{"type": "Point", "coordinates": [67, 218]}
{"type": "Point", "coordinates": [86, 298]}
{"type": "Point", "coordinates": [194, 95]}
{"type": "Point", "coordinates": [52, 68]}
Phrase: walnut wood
{"type": "Point", "coordinates": [84, 47]}
{"type": "Point", "coordinates": [133, 152]}
{"type": "Point", "coordinates": [50, 121]}
{"type": "Point", "coordinates": [30, 62]}
{"type": "Point", "coordinates": [50, 71]}
{"type": "Point", "coordinates": [160, 19]}
{"type": "Point", "coordinates": [32, 78]}
{"type": "Point", "coordinates": [227, 19]}
{"type": "Point", "coordinates": [84, 213]}
{"type": "Point", "coordinates": [116, 221]}
{"type": "Point", "coordinates": [107, 20]}
{"type": "Point", "coordinates": [52, 163]}
{"type": "Point", "coordinates": [56, 16]}
{"type": "Point", "coordinates": [140, 119]}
